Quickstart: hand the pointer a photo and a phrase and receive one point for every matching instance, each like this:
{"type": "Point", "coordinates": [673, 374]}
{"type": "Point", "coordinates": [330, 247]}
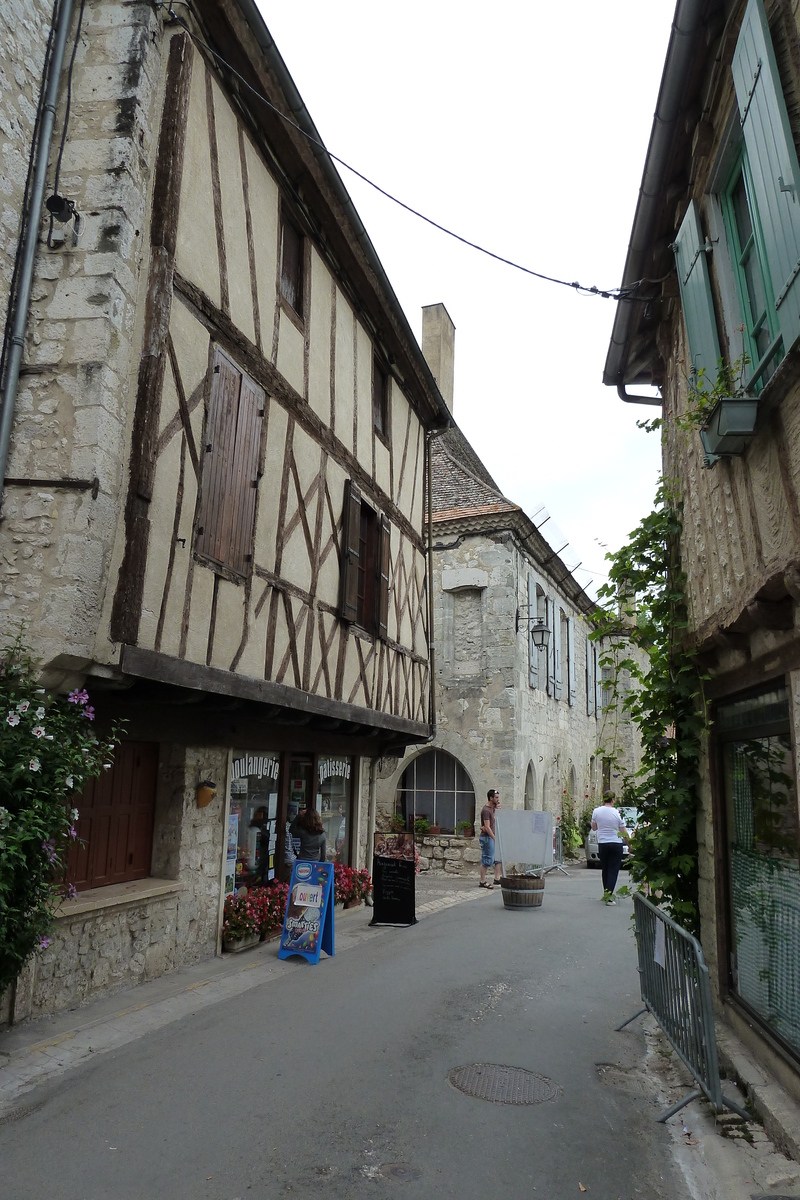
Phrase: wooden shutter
{"type": "Point", "coordinates": [773, 162]}
{"type": "Point", "coordinates": [696, 299]}
{"type": "Point", "coordinates": [589, 678]}
{"type": "Point", "coordinates": [292, 266]}
{"type": "Point", "coordinates": [551, 648]}
{"type": "Point", "coordinates": [384, 558]}
{"type": "Point", "coordinates": [598, 683]}
{"type": "Point", "coordinates": [556, 638]}
{"type": "Point", "coordinates": [571, 684]}
{"type": "Point", "coordinates": [115, 823]}
{"type": "Point", "coordinates": [533, 653]}
{"type": "Point", "coordinates": [351, 530]}
{"type": "Point", "coordinates": [230, 468]}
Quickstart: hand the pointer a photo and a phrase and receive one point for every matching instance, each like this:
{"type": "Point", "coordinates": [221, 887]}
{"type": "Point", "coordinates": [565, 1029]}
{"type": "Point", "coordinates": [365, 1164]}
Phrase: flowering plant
{"type": "Point", "coordinates": [270, 902]}
{"type": "Point", "coordinates": [241, 918]}
{"type": "Point", "coordinates": [350, 883]}
{"type": "Point", "coordinates": [48, 751]}
{"type": "Point", "coordinates": [257, 910]}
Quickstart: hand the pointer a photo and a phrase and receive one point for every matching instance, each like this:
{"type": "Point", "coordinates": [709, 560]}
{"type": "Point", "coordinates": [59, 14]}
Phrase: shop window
{"type": "Point", "coordinates": [763, 836]}
{"type": "Point", "coordinates": [365, 564]}
{"type": "Point", "coordinates": [335, 804]}
{"type": "Point", "coordinates": [292, 266]}
{"type": "Point", "coordinates": [252, 820]}
{"type": "Point", "coordinates": [230, 468]}
{"type": "Point", "coordinates": [115, 822]}
{"type": "Point", "coordinates": [437, 787]}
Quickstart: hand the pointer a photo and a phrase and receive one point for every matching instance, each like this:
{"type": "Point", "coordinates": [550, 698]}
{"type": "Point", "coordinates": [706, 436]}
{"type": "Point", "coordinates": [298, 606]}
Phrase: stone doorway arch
{"type": "Point", "coordinates": [530, 787]}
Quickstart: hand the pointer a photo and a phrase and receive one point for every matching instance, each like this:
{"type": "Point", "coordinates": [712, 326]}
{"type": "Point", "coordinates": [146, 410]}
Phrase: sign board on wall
{"type": "Point", "coordinates": [524, 838]}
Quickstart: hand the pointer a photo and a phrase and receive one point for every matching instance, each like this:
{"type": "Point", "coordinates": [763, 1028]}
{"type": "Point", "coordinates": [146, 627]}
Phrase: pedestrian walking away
{"type": "Point", "coordinates": [486, 839]}
{"type": "Point", "coordinates": [611, 830]}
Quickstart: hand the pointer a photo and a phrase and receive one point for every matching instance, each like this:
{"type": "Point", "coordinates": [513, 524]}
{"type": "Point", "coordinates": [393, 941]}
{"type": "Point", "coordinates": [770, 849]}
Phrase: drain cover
{"type": "Point", "coordinates": [400, 1171]}
{"type": "Point", "coordinates": [503, 1085]}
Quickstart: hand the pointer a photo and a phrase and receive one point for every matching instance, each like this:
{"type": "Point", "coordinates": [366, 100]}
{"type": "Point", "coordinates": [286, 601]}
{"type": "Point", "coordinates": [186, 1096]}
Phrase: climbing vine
{"type": "Point", "coordinates": [641, 629]}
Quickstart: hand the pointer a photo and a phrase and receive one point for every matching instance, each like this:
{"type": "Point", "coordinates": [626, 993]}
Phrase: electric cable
{"type": "Point", "coordinates": [618, 293]}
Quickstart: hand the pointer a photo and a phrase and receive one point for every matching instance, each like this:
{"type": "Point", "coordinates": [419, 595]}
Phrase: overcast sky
{"type": "Point", "coordinates": [523, 127]}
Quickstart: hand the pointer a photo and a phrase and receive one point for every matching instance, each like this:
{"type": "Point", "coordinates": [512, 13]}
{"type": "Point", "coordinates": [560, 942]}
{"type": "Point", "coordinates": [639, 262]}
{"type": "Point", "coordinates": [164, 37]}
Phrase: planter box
{"type": "Point", "coordinates": [730, 426]}
{"type": "Point", "coordinates": [237, 945]}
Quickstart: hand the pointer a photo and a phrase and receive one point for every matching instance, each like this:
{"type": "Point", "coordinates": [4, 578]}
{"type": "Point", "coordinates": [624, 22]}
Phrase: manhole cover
{"type": "Point", "coordinates": [400, 1171]}
{"type": "Point", "coordinates": [503, 1085]}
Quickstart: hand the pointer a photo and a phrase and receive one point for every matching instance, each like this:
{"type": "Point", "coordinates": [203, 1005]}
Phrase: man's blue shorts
{"type": "Point", "coordinates": [487, 850]}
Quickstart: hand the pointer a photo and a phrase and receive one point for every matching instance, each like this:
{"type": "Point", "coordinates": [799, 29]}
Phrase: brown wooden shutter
{"type": "Point", "coordinates": [115, 825]}
{"type": "Point", "coordinates": [351, 531]}
{"type": "Point", "coordinates": [292, 266]}
{"type": "Point", "coordinates": [384, 558]}
{"type": "Point", "coordinates": [230, 468]}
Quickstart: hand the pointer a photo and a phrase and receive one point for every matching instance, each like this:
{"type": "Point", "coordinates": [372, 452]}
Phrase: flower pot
{"type": "Point", "coordinates": [434, 829]}
{"type": "Point", "coordinates": [236, 945]}
{"type": "Point", "coordinates": [729, 427]}
{"type": "Point", "coordinates": [522, 891]}
{"type": "Point", "coordinates": [352, 903]}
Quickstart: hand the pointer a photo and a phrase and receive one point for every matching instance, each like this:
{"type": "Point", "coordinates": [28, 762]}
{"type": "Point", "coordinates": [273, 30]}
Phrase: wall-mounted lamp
{"type": "Point", "coordinates": [206, 791]}
{"type": "Point", "coordinates": [537, 628]}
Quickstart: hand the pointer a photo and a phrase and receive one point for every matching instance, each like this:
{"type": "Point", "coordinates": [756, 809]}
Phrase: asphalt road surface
{"type": "Point", "coordinates": [332, 1081]}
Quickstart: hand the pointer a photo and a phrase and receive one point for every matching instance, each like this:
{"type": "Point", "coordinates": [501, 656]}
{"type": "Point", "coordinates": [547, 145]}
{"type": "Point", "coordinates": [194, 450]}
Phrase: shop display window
{"type": "Point", "coordinates": [335, 804]}
{"type": "Point", "coordinates": [252, 820]}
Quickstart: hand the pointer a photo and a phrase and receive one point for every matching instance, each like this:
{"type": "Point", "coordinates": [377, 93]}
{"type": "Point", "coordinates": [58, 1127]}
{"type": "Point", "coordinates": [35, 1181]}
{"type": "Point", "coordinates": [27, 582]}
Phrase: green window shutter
{"type": "Point", "coordinates": [589, 678]}
{"type": "Point", "coordinates": [573, 687]}
{"type": "Point", "coordinates": [696, 301]}
{"type": "Point", "coordinates": [773, 162]}
{"type": "Point", "coordinates": [533, 653]}
{"type": "Point", "coordinates": [556, 636]}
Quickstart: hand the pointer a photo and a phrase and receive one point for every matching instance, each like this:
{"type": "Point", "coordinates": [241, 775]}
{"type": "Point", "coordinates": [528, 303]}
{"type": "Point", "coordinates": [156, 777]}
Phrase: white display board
{"type": "Point", "coordinates": [524, 838]}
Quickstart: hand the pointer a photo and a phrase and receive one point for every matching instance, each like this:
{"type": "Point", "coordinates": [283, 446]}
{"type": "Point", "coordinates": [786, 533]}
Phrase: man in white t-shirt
{"type": "Point", "coordinates": [610, 832]}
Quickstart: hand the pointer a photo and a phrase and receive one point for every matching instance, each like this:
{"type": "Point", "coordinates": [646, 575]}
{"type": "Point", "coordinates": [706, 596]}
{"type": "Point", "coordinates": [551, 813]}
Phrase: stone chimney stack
{"type": "Point", "coordinates": [438, 346]}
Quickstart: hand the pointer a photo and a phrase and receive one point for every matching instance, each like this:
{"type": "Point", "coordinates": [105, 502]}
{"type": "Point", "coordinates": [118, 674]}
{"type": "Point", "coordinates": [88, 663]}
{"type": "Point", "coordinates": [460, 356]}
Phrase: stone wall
{"type": "Point", "coordinates": [122, 935]}
{"type": "Point", "coordinates": [449, 855]}
{"type": "Point", "coordinates": [72, 407]}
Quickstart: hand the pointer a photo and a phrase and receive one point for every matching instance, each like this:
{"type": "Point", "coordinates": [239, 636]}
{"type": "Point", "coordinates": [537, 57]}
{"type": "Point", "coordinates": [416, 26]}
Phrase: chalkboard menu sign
{"type": "Point", "coordinates": [393, 891]}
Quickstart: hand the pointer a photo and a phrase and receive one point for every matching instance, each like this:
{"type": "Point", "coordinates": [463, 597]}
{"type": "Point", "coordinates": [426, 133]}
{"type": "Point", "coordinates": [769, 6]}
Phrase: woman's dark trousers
{"type": "Point", "coordinates": [610, 854]}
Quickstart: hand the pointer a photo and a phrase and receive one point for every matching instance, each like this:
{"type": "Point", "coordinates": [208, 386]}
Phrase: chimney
{"type": "Point", "coordinates": [438, 346]}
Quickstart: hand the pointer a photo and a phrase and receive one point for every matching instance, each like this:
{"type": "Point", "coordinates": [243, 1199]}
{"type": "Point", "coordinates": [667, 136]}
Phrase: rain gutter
{"type": "Point", "coordinates": [671, 101]}
{"type": "Point", "coordinates": [31, 236]}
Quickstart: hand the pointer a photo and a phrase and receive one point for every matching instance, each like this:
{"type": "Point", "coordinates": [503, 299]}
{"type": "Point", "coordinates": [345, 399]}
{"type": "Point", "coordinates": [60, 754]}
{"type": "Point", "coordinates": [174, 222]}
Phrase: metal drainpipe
{"type": "Point", "coordinates": [373, 801]}
{"type": "Point", "coordinates": [31, 236]}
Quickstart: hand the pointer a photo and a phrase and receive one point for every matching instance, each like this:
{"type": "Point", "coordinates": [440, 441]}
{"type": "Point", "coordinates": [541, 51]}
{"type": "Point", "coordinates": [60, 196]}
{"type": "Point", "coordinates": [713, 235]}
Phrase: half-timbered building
{"type": "Point", "coordinates": [213, 511]}
{"type": "Point", "coordinates": [713, 319]}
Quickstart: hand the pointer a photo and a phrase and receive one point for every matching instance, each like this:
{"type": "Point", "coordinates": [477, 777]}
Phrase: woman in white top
{"type": "Point", "coordinates": [609, 825]}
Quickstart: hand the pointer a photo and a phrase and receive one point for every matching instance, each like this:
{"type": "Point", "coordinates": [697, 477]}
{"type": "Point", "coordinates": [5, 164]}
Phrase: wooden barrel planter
{"type": "Point", "coordinates": [522, 891]}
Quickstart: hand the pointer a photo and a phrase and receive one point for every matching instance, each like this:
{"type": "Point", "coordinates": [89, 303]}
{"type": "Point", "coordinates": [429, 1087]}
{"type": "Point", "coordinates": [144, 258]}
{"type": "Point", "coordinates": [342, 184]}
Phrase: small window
{"type": "Point", "coordinates": [229, 475]}
{"type": "Point", "coordinates": [380, 398]}
{"type": "Point", "coordinates": [365, 564]}
{"type": "Point", "coordinates": [292, 267]}
{"type": "Point", "coordinates": [606, 776]}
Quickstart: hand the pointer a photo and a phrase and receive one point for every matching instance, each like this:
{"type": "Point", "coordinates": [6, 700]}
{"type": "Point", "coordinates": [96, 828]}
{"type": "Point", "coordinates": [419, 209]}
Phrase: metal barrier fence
{"type": "Point", "coordinates": [676, 989]}
{"type": "Point", "coordinates": [558, 853]}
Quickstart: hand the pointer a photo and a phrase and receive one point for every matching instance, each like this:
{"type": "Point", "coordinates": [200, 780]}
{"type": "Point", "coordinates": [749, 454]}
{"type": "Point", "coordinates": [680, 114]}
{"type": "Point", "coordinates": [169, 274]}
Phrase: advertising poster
{"type": "Point", "coordinates": [230, 860]}
{"type": "Point", "coordinates": [308, 924]}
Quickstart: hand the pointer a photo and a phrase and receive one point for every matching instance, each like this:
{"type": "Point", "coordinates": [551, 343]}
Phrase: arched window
{"type": "Point", "coordinates": [530, 787]}
{"type": "Point", "coordinates": [436, 786]}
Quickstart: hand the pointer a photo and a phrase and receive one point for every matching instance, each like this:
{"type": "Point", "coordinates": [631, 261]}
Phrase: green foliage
{"type": "Point", "coordinates": [466, 828]}
{"type": "Point", "coordinates": [644, 605]}
{"type": "Point", "coordinates": [570, 834]}
{"type": "Point", "coordinates": [422, 827]}
{"type": "Point", "coordinates": [48, 750]}
{"type": "Point", "coordinates": [397, 822]}
{"type": "Point", "coordinates": [702, 398]}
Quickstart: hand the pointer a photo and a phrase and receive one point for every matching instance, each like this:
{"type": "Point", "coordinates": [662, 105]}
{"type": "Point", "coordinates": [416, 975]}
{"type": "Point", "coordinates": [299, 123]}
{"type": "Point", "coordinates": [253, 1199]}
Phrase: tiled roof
{"type": "Point", "coordinates": [460, 480]}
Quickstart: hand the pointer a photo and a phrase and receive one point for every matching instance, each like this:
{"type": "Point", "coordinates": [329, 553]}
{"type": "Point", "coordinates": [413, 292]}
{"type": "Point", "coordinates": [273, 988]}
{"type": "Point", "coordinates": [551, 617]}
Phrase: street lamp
{"type": "Point", "coordinates": [537, 628]}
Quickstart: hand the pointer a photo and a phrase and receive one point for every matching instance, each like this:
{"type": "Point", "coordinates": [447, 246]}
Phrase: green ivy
{"type": "Point", "coordinates": [643, 605]}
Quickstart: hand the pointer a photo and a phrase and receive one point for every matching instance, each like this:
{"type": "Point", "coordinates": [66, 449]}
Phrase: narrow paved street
{"type": "Point", "coordinates": [323, 1081]}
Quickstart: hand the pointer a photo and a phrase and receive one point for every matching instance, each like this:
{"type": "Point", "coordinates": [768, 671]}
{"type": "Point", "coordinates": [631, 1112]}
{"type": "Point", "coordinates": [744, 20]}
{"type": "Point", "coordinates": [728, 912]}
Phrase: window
{"type": "Point", "coordinates": [760, 203]}
{"type": "Point", "coordinates": [567, 657]}
{"type": "Point", "coordinates": [606, 776]}
{"type": "Point", "coordinates": [230, 465]}
{"type": "Point", "coordinates": [115, 821]}
{"type": "Point", "coordinates": [380, 398]}
{"type": "Point", "coordinates": [292, 266]}
{"type": "Point", "coordinates": [436, 786]}
{"type": "Point", "coordinates": [366, 537]}
{"type": "Point", "coordinates": [763, 851]}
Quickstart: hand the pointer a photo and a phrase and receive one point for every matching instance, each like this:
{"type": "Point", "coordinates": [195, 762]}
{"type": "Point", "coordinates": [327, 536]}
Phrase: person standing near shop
{"type": "Point", "coordinates": [611, 829]}
{"type": "Point", "coordinates": [486, 839]}
{"type": "Point", "coordinates": [308, 828]}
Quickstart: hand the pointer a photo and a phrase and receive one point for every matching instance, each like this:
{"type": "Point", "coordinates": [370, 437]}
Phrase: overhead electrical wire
{"type": "Point", "coordinates": [620, 293]}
